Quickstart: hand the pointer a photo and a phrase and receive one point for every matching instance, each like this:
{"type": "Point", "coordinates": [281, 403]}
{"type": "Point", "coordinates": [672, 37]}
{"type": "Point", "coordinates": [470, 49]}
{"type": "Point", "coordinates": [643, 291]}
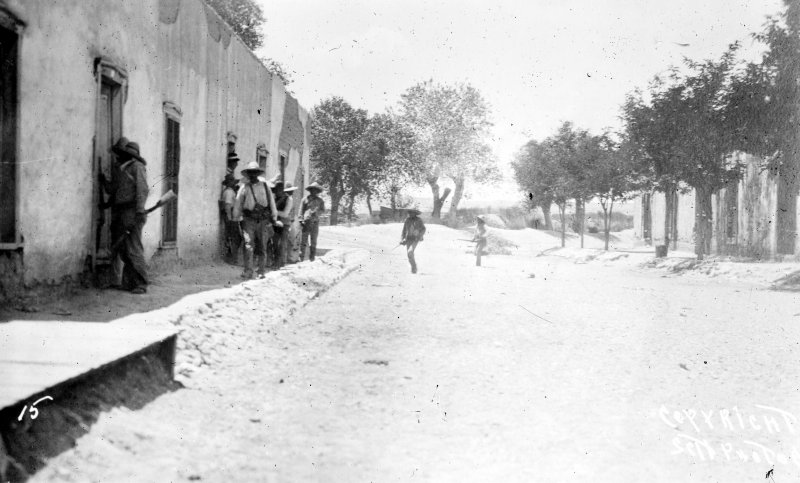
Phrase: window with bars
{"type": "Point", "coordinates": [282, 166]}
{"type": "Point", "coordinates": [172, 163]}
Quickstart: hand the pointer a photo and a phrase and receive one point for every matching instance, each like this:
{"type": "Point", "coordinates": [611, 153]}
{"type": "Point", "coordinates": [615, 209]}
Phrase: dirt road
{"type": "Point", "coordinates": [524, 369]}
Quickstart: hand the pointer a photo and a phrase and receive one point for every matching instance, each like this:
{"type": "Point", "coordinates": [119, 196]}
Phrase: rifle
{"type": "Point", "coordinates": [165, 198]}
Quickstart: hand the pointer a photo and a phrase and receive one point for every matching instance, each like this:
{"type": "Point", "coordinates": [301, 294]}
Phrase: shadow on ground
{"type": "Point", "coordinates": [96, 305]}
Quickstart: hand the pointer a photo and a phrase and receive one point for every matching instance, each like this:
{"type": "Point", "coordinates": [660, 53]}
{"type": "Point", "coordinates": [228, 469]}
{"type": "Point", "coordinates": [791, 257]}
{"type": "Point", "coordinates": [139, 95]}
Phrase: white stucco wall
{"type": "Point", "coordinates": [192, 62]}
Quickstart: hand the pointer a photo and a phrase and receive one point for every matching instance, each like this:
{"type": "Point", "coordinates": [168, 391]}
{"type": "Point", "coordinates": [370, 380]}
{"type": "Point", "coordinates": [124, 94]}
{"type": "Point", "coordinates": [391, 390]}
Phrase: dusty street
{"type": "Point", "coordinates": [525, 369]}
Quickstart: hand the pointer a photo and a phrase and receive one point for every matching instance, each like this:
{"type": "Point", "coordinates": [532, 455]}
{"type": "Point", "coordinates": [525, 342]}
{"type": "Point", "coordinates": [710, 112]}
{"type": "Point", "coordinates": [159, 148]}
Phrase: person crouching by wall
{"type": "Point", "coordinates": [255, 206]}
{"type": "Point", "coordinates": [413, 233]}
{"type": "Point", "coordinates": [312, 208]}
{"type": "Point", "coordinates": [128, 190]}
{"type": "Point", "coordinates": [283, 203]}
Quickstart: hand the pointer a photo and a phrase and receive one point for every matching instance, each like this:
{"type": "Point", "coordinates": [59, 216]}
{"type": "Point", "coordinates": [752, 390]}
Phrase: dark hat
{"type": "Point", "coordinates": [229, 180]}
{"type": "Point", "coordinates": [314, 186]}
{"type": "Point", "coordinates": [119, 147]}
{"type": "Point", "coordinates": [252, 166]}
{"type": "Point", "coordinates": [289, 187]}
{"type": "Point", "coordinates": [480, 219]}
{"type": "Point", "coordinates": [133, 149]}
{"type": "Point", "coordinates": [129, 148]}
{"type": "Point", "coordinates": [413, 211]}
{"type": "Point", "coordinates": [233, 157]}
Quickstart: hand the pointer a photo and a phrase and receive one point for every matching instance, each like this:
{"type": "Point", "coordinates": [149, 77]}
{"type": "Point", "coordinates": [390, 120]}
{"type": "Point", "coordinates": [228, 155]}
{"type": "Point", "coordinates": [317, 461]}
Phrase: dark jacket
{"type": "Point", "coordinates": [413, 229]}
{"type": "Point", "coordinates": [129, 188]}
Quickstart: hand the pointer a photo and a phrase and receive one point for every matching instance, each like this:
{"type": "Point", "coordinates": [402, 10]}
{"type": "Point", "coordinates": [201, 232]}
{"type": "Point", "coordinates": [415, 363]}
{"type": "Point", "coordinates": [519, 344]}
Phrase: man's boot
{"type": "Point", "coordinates": [312, 252]}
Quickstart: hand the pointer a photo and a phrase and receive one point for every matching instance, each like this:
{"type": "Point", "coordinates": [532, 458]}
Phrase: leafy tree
{"type": "Point", "coordinates": [544, 169]}
{"type": "Point", "coordinates": [612, 178]}
{"type": "Point", "coordinates": [387, 151]}
{"type": "Point", "coordinates": [245, 17]}
{"type": "Point", "coordinates": [529, 174]}
{"type": "Point", "coordinates": [764, 113]}
{"type": "Point", "coordinates": [451, 127]}
{"type": "Point", "coordinates": [687, 132]}
{"type": "Point", "coordinates": [653, 134]}
{"type": "Point", "coordinates": [335, 132]}
{"type": "Point", "coordinates": [276, 68]}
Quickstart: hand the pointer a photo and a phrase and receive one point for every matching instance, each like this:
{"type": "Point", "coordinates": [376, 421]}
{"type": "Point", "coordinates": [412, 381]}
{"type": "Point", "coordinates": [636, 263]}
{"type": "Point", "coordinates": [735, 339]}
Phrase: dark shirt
{"type": "Point", "coordinates": [413, 229]}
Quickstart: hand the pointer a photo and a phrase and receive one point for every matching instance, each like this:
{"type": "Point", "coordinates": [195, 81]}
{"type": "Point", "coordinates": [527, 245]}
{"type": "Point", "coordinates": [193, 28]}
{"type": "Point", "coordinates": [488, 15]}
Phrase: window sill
{"type": "Point", "coordinates": [11, 246]}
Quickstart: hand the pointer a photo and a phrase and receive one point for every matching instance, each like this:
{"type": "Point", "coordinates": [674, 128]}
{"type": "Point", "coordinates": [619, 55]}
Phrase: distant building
{"type": "Point", "coordinates": [754, 217]}
{"type": "Point", "coordinates": [168, 74]}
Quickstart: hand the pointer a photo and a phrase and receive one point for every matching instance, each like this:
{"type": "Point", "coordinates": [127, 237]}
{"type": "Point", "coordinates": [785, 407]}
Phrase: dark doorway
{"type": "Point", "coordinates": [107, 131]}
{"type": "Point", "coordinates": [172, 165]}
{"type": "Point", "coordinates": [8, 136]}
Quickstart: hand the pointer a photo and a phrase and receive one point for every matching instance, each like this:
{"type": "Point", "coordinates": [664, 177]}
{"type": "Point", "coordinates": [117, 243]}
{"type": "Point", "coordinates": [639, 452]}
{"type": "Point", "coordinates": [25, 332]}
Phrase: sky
{"type": "Point", "coordinates": [537, 63]}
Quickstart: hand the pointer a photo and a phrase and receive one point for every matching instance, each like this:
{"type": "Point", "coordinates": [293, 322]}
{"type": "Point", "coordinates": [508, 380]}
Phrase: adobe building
{"type": "Point", "coordinates": [168, 74]}
{"type": "Point", "coordinates": [755, 217]}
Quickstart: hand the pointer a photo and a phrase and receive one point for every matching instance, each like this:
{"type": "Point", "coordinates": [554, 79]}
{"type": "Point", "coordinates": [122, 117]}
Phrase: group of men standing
{"type": "Point", "coordinates": [258, 214]}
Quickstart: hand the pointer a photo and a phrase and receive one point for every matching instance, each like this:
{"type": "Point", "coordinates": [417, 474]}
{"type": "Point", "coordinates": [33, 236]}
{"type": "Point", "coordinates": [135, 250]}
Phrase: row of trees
{"type": "Point", "coordinates": [573, 165]}
{"type": "Point", "coordinates": [681, 133]}
{"type": "Point", "coordinates": [437, 131]}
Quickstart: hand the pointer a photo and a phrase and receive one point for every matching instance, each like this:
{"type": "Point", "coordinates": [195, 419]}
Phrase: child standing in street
{"type": "Point", "coordinates": [481, 236]}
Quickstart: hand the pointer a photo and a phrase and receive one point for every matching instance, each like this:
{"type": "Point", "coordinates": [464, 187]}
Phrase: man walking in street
{"type": "Point", "coordinates": [283, 204]}
{"type": "Point", "coordinates": [413, 233]}
{"type": "Point", "coordinates": [128, 191]}
{"type": "Point", "coordinates": [233, 233]}
{"type": "Point", "coordinates": [312, 208]}
{"type": "Point", "coordinates": [255, 206]}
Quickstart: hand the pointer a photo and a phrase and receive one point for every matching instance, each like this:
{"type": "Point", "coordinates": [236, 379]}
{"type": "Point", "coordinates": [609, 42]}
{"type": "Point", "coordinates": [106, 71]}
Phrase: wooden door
{"type": "Point", "coordinates": [107, 131]}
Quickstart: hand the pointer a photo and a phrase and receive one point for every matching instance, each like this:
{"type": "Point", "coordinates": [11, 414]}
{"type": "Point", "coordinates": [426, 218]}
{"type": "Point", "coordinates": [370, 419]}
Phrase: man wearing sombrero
{"type": "Point", "coordinates": [313, 206]}
{"type": "Point", "coordinates": [128, 191]}
{"type": "Point", "coordinates": [255, 206]}
{"type": "Point", "coordinates": [413, 232]}
{"type": "Point", "coordinates": [283, 203]}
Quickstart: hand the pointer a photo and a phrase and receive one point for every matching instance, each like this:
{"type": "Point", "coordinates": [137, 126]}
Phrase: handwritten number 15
{"type": "Point", "coordinates": [34, 412]}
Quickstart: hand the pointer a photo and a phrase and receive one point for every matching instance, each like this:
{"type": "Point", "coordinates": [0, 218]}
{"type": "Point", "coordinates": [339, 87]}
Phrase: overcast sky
{"type": "Point", "coordinates": [537, 62]}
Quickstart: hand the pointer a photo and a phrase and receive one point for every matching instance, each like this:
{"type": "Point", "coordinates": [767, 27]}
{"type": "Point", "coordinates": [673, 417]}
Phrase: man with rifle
{"type": "Point", "coordinates": [128, 192]}
{"type": "Point", "coordinates": [255, 206]}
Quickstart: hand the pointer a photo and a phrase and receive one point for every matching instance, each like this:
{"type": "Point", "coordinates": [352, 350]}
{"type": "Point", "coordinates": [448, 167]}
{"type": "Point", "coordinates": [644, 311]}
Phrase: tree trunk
{"type": "Point", "coordinates": [669, 202]}
{"type": "Point", "coordinates": [457, 194]}
{"type": "Point", "coordinates": [548, 220]}
{"type": "Point", "coordinates": [438, 201]}
{"type": "Point", "coordinates": [608, 222]}
{"type": "Point", "coordinates": [393, 200]}
{"type": "Point", "coordinates": [580, 214]}
{"type": "Point", "coordinates": [335, 198]}
{"type": "Point", "coordinates": [562, 207]}
{"type": "Point", "coordinates": [647, 219]}
{"type": "Point", "coordinates": [350, 202]}
{"type": "Point", "coordinates": [606, 219]}
{"type": "Point", "coordinates": [703, 219]}
{"type": "Point", "coordinates": [369, 204]}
